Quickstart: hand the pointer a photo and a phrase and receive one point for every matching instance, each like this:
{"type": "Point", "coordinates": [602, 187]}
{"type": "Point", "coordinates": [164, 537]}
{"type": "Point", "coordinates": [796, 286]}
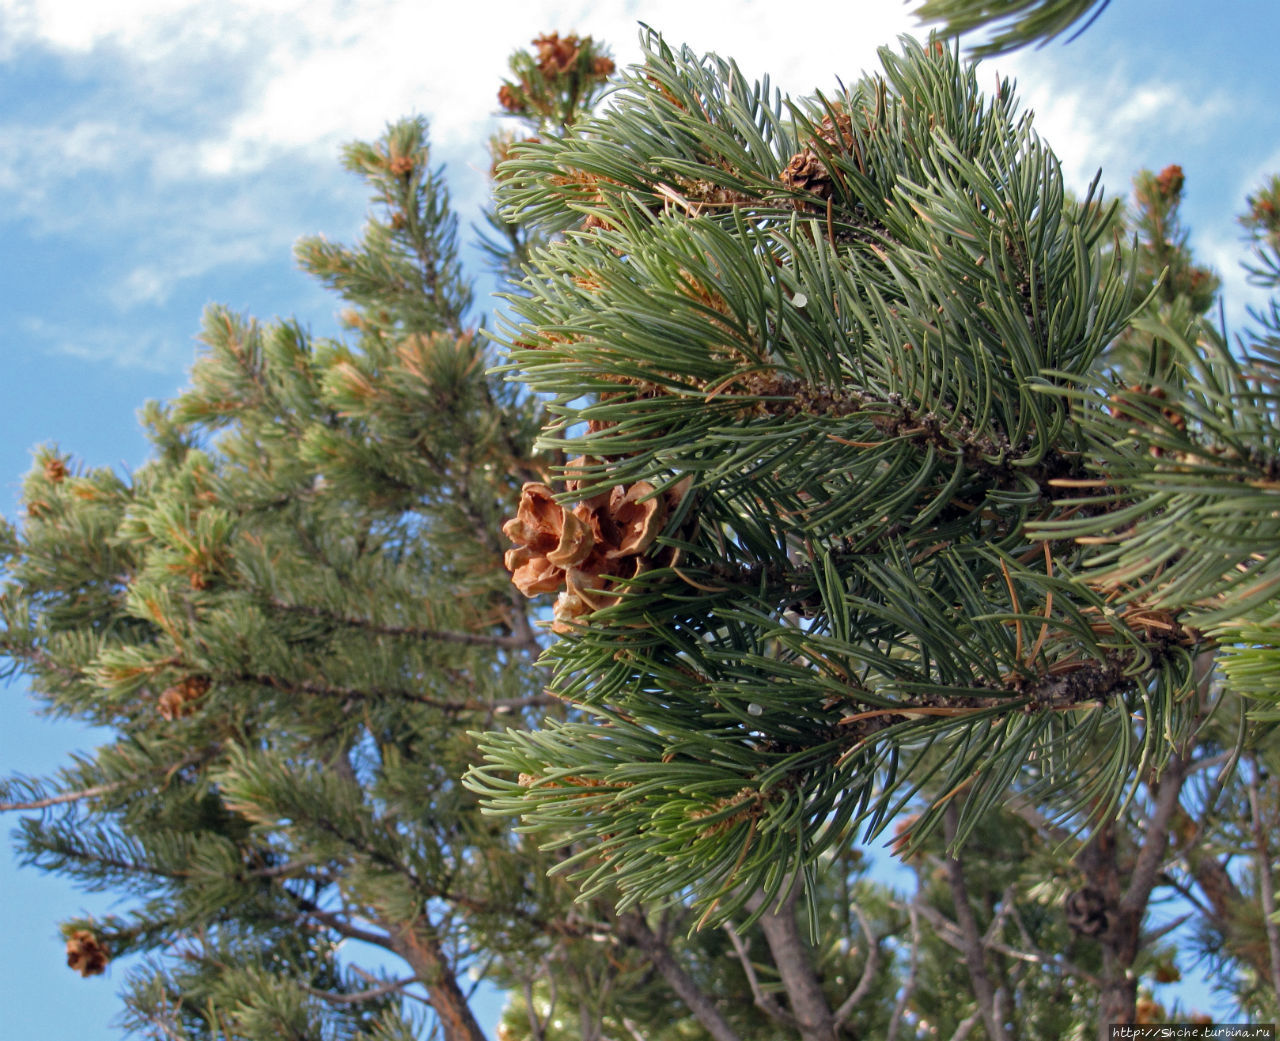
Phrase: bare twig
{"type": "Point", "coordinates": [695, 998]}
{"type": "Point", "coordinates": [763, 1001]}
{"type": "Point", "coordinates": [913, 967]}
{"type": "Point", "coordinates": [1164, 930]}
{"type": "Point", "coordinates": [632, 1029]}
{"type": "Point", "coordinates": [1007, 899]}
{"type": "Point", "coordinates": [369, 977]}
{"type": "Point", "coordinates": [869, 969]}
{"type": "Point", "coordinates": [65, 797]}
{"type": "Point", "coordinates": [949, 933]}
{"type": "Point", "coordinates": [1155, 844]}
{"type": "Point", "coordinates": [351, 932]}
{"type": "Point", "coordinates": [537, 1026]}
{"type": "Point", "coordinates": [1033, 954]}
{"type": "Point", "coordinates": [966, 1025]}
{"type": "Point", "coordinates": [794, 962]}
{"type": "Point", "coordinates": [390, 987]}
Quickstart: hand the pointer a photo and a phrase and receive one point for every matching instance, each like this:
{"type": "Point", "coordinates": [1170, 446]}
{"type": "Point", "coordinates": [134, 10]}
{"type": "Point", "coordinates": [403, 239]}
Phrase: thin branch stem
{"type": "Point", "coordinates": [973, 948]}
{"type": "Point", "coordinates": [390, 987]}
{"type": "Point", "coordinates": [869, 969]}
{"type": "Point", "coordinates": [515, 642]}
{"type": "Point", "coordinates": [965, 1027]}
{"type": "Point", "coordinates": [763, 1001]}
{"type": "Point", "coordinates": [389, 693]}
{"type": "Point", "coordinates": [695, 998]}
{"type": "Point", "coordinates": [65, 797]}
{"type": "Point", "coordinates": [1155, 844]}
{"type": "Point", "coordinates": [1266, 880]}
{"type": "Point", "coordinates": [351, 932]}
{"type": "Point", "coordinates": [913, 966]}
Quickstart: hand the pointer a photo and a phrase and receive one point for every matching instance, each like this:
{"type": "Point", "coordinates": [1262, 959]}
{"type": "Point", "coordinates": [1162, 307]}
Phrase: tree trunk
{"type": "Point", "coordinates": [792, 959]}
{"type": "Point", "coordinates": [417, 946]}
{"type": "Point", "coordinates": [1127, 905]}
{"type": "Point", "coordinates": [695, 999]}
{"type": "Point", "coordinates": [975, 952]}
{"type": "Point", "coordinates": [1118, 998]}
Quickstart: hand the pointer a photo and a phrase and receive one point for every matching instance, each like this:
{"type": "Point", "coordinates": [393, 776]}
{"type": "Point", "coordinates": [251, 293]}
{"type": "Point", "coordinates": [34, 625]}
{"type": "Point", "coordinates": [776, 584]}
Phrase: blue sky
{"type": "Point", "coordinates": [160, 155]}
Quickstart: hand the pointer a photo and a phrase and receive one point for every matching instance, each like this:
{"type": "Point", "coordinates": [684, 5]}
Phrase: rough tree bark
{"type": "Point", "coordinates": [697, 1001]}
{"type": "Point", "coordinates": [791, 957]}
{"type": "Point", "coordinates": [416, 944]}
{"type": "Point", "coordinates": [975, 958]}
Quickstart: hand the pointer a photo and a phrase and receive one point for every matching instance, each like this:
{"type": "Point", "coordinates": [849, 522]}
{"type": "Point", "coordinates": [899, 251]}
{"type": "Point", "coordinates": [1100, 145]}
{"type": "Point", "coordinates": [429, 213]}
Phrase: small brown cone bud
{"type": "Point", "coordinates": [1170, 180]}
{"type": "Point", "coordinates": [170, 704]}
{"type": "Point", "coordinates": [1147, 1011]}
{"type": "Point", "coordinates": [176, 701]}
{"type": "Point", "coordinates": [806, 172]}
{"type": "Point", "coordinates": [902, 835]}
{"type": "Point", "coordinates": [55, 471]}
{"type": "Point", "coordinates": [556, 55]}
{"type": "Point", "coordinates": [86, 954]}
{"type": "Point", "coordinates": [509, 99]}
{"type": "Point", "coordinates": [401, 165]}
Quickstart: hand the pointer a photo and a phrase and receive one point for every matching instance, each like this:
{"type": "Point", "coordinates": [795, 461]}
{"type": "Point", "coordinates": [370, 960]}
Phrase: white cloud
{"type": "Point", "coordinates": [119, 347]}
{"type": "Point", "coordinates": [210, 130]}
{"type": "Point", "coordinates": [211, 138]}
{"type": "Point", "coordinates": [328, 71]}
{"type": "Point", "coordinates": [1116, 122]}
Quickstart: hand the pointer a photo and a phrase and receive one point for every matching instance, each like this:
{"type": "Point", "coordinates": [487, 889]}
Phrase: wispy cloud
{"type": "Point", "coordinates": [123, 348]}
{"type": "Point", "coordinates": [202, 134]}
{"type": "Point", "coordinates": [1115, 119]}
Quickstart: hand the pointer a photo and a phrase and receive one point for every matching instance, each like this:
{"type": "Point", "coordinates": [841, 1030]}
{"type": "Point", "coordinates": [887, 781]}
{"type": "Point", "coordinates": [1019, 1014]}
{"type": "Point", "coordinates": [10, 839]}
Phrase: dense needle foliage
{"type": "Point", "coordinates": [837, 474]}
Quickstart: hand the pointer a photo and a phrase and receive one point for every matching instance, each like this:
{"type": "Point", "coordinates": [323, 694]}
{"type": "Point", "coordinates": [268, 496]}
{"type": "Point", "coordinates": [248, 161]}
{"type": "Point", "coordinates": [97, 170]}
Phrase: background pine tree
{"type": "Point", "coordinates": [854, 477]}
{"type": "Point", "coordinates": [957, 512]}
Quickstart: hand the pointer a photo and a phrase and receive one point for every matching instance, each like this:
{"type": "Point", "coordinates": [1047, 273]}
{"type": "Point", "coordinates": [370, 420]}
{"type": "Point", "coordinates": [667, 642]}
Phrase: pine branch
{"type": "Point", "coordinates": [794, 962]}
{"type": "Point", "coordinates": [416, 943]}
{"type": "Point", "coordinates": [991, 455]}
{"type": "Point", "coordinates": [950, 934]}
{"type": "Point", "coordinates": [1153, 852]}
{"type": "Point", "coordinates": [314, 689]}
{"type": "Point", "coordinates": [40, 659]}
{"type": "Point", "coordinates": [413, 632]}
{"type": "Point", "coordinates": [391, 987]}
{"type": "Point", "coordinates": [1013, 23]}
{"type": "Point", "coordinates": [64, 797]}
{"type": "Point", "coordinates": [1032, 953]}
{"type": "Point", "coordinates": [334, 921]}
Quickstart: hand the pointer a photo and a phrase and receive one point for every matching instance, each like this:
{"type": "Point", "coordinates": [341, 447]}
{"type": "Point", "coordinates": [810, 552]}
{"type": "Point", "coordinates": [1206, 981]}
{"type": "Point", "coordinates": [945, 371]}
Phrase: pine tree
{"type": "Point", "coordinates": [866, 509]}
{"type": "Point", "coordinates": [852, 478]}
{"type": "Point", "coordinates": [286, 619]}
{"type": "Point", "coordinates": [289, 620]}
